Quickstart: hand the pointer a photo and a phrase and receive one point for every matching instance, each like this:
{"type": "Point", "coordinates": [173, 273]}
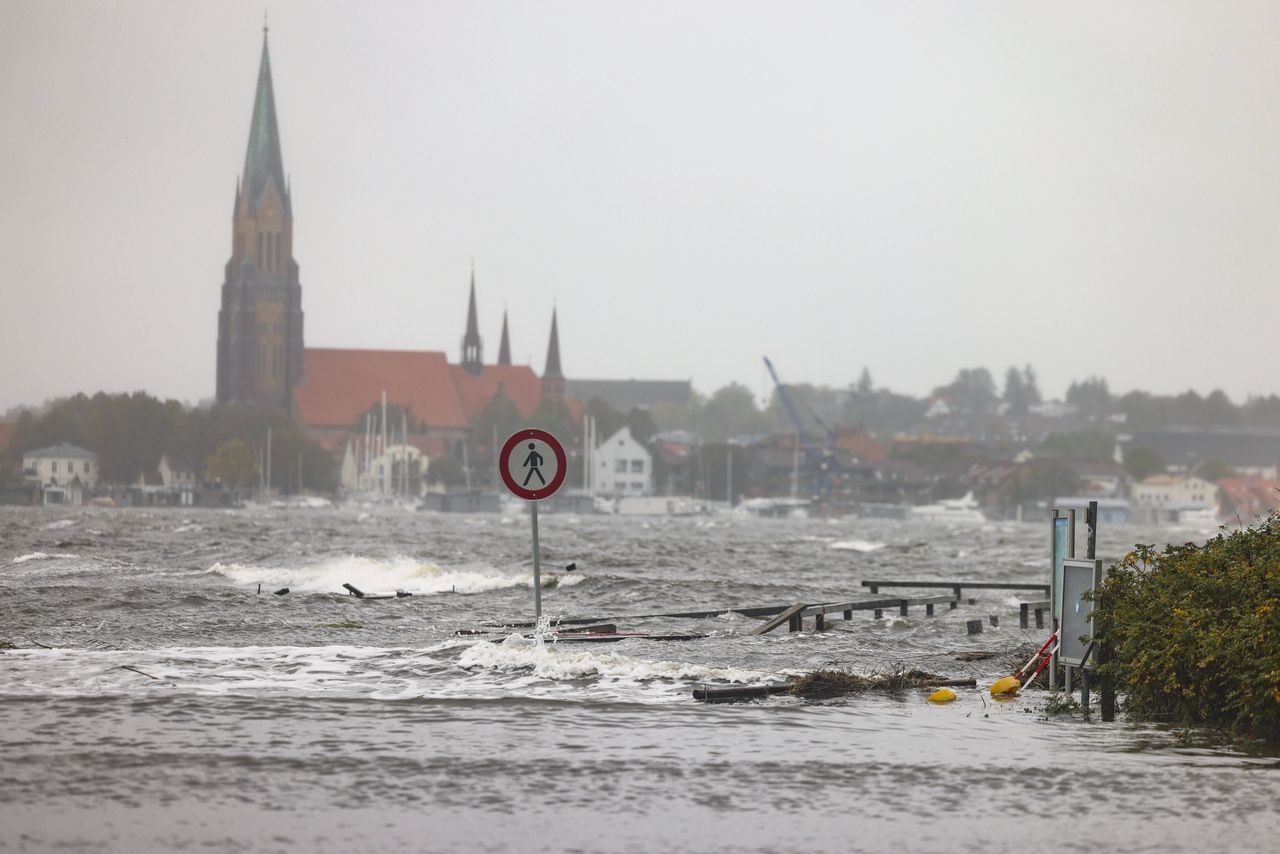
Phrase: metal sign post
{"type": "Point", "coordinates": [533, 466]}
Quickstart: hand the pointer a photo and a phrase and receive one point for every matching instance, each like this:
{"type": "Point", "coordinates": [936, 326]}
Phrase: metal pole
{"type": "Point", "coordinates": [1053, 592]}
{"type": "Point", "coordinates": [1091, 525]}
{"type": "Point", "coordinates": [1071, 533]}
{"type": "Point", "coordinates": [537, 564]}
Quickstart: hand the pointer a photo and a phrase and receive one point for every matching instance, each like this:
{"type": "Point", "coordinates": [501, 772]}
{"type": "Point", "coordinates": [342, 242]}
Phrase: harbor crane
{"type": "Point", "coordinates": [821, 460]}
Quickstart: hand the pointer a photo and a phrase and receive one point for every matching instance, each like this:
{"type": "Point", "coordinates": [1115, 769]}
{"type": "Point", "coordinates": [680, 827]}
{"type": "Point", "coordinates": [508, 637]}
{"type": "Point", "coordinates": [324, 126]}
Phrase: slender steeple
{"type": "Point", "coordinates": [472, 347]}
{"type": "Point", "coordinates": [262, 159]}
{"type": "Point", "coordinates": [260, 324]}
{"type": "Point", "coordinates": [552, 376]}
{"type": "Point", "coordinates": [504, 347]}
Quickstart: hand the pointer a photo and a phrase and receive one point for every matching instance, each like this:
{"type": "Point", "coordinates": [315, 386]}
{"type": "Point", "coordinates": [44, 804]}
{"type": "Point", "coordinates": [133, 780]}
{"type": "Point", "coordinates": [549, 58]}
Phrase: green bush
{"type": "Point", "coordinates": [1195, 631]}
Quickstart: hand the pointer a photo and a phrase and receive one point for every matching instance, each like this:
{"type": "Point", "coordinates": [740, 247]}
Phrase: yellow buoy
{"type": "Point", "coordinates": [942, 695]}
{"type": "Point", "coordinates": [1007, 685]}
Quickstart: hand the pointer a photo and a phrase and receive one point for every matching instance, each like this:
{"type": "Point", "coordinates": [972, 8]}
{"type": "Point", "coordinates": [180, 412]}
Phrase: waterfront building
{"type": "Point", "coordinates": [621, 466]}
{"type": "Point", "coordinates": [62, 471]}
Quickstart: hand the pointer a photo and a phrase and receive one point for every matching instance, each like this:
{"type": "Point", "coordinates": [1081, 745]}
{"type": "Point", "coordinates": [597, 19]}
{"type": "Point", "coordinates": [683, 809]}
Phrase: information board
{"type": "Point", "coordinates": [1079, 578]}
{"type": "Point", "coordinates": [1061, 533]}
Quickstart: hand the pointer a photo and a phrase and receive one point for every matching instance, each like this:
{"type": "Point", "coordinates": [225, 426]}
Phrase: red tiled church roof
{"type": "Point", "coordinates": [519, 383]}
{"type": "Point", "coordinates": [339, 385]}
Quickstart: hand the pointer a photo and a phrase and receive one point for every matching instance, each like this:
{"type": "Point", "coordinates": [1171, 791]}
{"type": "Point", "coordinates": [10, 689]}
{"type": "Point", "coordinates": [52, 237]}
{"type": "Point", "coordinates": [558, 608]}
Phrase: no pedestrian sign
{"type": "Point", "coordinates": [533, 464]}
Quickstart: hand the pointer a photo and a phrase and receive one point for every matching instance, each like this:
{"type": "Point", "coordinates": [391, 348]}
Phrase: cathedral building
{"type": "Point", "coordinates": [331, 392]}
{"type": "Point", "coordinates": [260, 352]}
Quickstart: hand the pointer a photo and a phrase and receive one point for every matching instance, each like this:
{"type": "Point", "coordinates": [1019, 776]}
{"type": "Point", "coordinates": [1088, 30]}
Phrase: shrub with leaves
{"type": "Point", "coordinates": [1195, 631]}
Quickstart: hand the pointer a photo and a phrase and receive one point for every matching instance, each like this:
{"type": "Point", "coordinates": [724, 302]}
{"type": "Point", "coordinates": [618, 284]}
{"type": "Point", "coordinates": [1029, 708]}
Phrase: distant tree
{"type": "Point", "coordinates": [553, 416]}
{"type": "Point", "coordinates": [731, 411]}
{"type": "Point", "coordinates": [1032, 482]}
{"type": "Point", "coordinates": [1090, 396]}
{"type": "Point", "coordinates": [865, 386]}
{"type": "Point", "coordinates": [1142, 462]}
{"type": "Point", "coordinates": [1031, 384]}
{"type": "Point", "coordinates": [232, 464]}
{"type": "Point", "coordinates": [1214, 470]}
{"type": "Point", "coordinates": [642, 426]}
{"type": "Point", "coordinates": [446, 471]}
{"type": "Point", "coordinates": [973, 390]}
{"type": "Point", "coordinates": [1015, 392]}
{"type": "Point", "coordinates": [607, 419]}
{"type": "Point", "coordinates": [499, 418]}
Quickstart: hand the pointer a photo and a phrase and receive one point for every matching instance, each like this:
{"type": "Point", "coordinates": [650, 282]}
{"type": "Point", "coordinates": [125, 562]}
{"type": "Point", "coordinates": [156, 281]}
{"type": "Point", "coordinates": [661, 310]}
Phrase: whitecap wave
{"type": "Point", "coordinates": [401, 573]}
{"type": "Point", "coordinates": [556, 662]}
{"type": "Point", "coordinates": [59, 524]}
{"type": "Point", "coordinates": [856, 546]}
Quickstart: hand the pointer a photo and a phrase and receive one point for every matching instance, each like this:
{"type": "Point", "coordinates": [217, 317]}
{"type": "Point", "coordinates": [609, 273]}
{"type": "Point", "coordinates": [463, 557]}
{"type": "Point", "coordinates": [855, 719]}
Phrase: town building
{"type": "Point", "coordinates": [621, 466]}
{"type": "Point", "coordinates": [1248, 497]}
{"type": "Point", "coordinates": [64, 472]}
{"type": "Point", "coordinates": [1172, 490]}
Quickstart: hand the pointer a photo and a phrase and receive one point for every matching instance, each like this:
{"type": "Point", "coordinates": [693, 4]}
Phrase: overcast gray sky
{"type": "Point", "coordinates": [915, 187]}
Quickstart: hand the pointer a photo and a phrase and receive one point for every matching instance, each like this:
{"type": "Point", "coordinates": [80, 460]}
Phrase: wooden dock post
{"type": "Point", "coordinates": [819, 622]}
{"type": "Point", "coordinates": [974, 627]}
{"type": "Point", "coordinates": [928, 609]}
{"type": "Point", "coordinates": [791, 616]}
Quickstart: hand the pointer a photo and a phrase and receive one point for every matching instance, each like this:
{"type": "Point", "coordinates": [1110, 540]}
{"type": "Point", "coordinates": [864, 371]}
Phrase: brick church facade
{"type": "Point", "coordinates": [261, 356]}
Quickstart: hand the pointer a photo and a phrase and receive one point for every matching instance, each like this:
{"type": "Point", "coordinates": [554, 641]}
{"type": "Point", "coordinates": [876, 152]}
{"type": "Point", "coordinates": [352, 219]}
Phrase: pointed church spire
{"type": "Point", "coordinates": [504, 347]}
{"type": "Point", "coordinates": [552, 377]}
{"type": "Point", "coordinates": [472, 347]}
{"type": "Point", "coordinates": [262, 160]}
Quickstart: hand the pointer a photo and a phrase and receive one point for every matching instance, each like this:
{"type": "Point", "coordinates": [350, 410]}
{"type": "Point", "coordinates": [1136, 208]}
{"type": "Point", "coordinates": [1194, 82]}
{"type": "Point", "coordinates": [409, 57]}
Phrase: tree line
{"type": "Point", "coordinates": [131, 432]}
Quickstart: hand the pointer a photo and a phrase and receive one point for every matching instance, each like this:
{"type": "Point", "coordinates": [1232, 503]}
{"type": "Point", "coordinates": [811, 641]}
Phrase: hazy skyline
{"type": "Point", "coordinates": [914, 187]}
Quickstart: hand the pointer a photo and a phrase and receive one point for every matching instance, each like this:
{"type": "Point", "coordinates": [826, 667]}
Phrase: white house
{"type": "Point", "coordinates": [177, 474]}
{"type": "Point", "coordinates": [1171, 490]}
{"type": "Point", "coordinates": [621, 466]}
{"type": "Point", "coordinates": [63, 471]}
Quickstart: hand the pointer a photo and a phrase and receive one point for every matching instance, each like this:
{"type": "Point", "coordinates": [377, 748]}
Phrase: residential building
{"type": "Point", "coordinates": [63, 472]}
{"type": "Point", "coordinates": [1171, 490]}
{"type": "Point", "coordinates": [622, 466]}
{"type": "Point", "coordinates": [1248, 497]}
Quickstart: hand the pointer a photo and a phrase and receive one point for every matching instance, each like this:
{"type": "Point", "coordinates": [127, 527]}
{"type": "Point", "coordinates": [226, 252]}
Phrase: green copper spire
{"type": "Point", "coordinates": [262, 159]}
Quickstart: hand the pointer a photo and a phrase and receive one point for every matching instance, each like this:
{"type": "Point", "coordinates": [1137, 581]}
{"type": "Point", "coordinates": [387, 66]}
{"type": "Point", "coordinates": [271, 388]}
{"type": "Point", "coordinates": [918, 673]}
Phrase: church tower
{"type": "Point", "coordinates": [552, 376]}
{"type": "Point", "coordinates": [504, 348]}
{"type": "Point", "coordinates": [472, 346]}
{"type": "Point", "coordinates": [260, 323]}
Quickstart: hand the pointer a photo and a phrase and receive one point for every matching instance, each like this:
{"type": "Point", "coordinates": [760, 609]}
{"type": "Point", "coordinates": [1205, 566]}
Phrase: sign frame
{"type": "Point", "coordinates": [557, 480]}
{"type": "Point", "coordinates": [1079, 577]}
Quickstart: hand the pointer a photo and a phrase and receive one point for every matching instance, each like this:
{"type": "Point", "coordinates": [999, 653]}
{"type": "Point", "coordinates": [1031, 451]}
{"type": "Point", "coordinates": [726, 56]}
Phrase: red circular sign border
{"type": "Point", "coordinates": [562, 464]}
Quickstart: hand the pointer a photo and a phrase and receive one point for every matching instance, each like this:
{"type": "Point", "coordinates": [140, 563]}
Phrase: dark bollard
{"type": "Point", "coordinates": [974, 627]}
{"type": "Point", "coordinates": [1039, 618]}
{"type": "Point", "coordinates": [928, 610]}
{"type": "Point", "coordinates": [1022, 615]}
{"type": "Point", "coordinates": [995, 620]}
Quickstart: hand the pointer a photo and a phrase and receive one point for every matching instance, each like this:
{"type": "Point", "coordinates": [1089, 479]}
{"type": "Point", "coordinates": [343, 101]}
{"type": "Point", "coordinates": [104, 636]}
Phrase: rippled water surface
{"type": "Point", "coordinates": [176, 707]}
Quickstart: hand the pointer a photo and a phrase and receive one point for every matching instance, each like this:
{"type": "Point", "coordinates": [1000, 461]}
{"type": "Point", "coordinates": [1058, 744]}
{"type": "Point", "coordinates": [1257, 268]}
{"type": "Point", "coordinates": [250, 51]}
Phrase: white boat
{"type": "Point", "coordinates": [964, 509]}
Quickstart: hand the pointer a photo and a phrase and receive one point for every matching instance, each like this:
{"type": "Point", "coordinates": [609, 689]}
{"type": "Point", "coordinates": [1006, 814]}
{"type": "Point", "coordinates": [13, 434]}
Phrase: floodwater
{"type": "Point", "coordinates": [318, 722]}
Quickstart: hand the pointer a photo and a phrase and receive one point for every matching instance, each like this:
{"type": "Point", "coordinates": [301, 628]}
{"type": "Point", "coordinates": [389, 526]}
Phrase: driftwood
{"type": "Point", "coordinates": [824, 684]}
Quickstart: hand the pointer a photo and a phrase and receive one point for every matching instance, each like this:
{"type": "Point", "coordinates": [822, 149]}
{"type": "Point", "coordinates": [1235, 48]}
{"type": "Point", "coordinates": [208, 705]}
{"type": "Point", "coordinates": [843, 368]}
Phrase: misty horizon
{"type": "Point", "coordinates": [915, 189]}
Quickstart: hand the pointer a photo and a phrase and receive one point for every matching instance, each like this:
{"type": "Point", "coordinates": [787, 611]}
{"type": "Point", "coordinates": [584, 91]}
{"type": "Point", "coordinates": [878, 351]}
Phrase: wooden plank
{"type": "Point", "coordinates": [874, 604]}
{"type": "Point", "coordinates": [969, 585]}
{"type": "Point", "coordinates": [784, 617]}
{"type": "Point", "coordinates": [730, 693]}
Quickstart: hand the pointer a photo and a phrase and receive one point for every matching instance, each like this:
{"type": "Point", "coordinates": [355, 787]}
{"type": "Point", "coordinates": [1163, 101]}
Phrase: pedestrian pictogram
{"type": "Point", "coordinates": [532, 464]}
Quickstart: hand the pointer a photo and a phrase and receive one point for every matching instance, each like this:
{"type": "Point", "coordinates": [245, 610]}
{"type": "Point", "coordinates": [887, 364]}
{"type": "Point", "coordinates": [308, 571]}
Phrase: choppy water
{"type": "Point", "coordinates": [318, 722]}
